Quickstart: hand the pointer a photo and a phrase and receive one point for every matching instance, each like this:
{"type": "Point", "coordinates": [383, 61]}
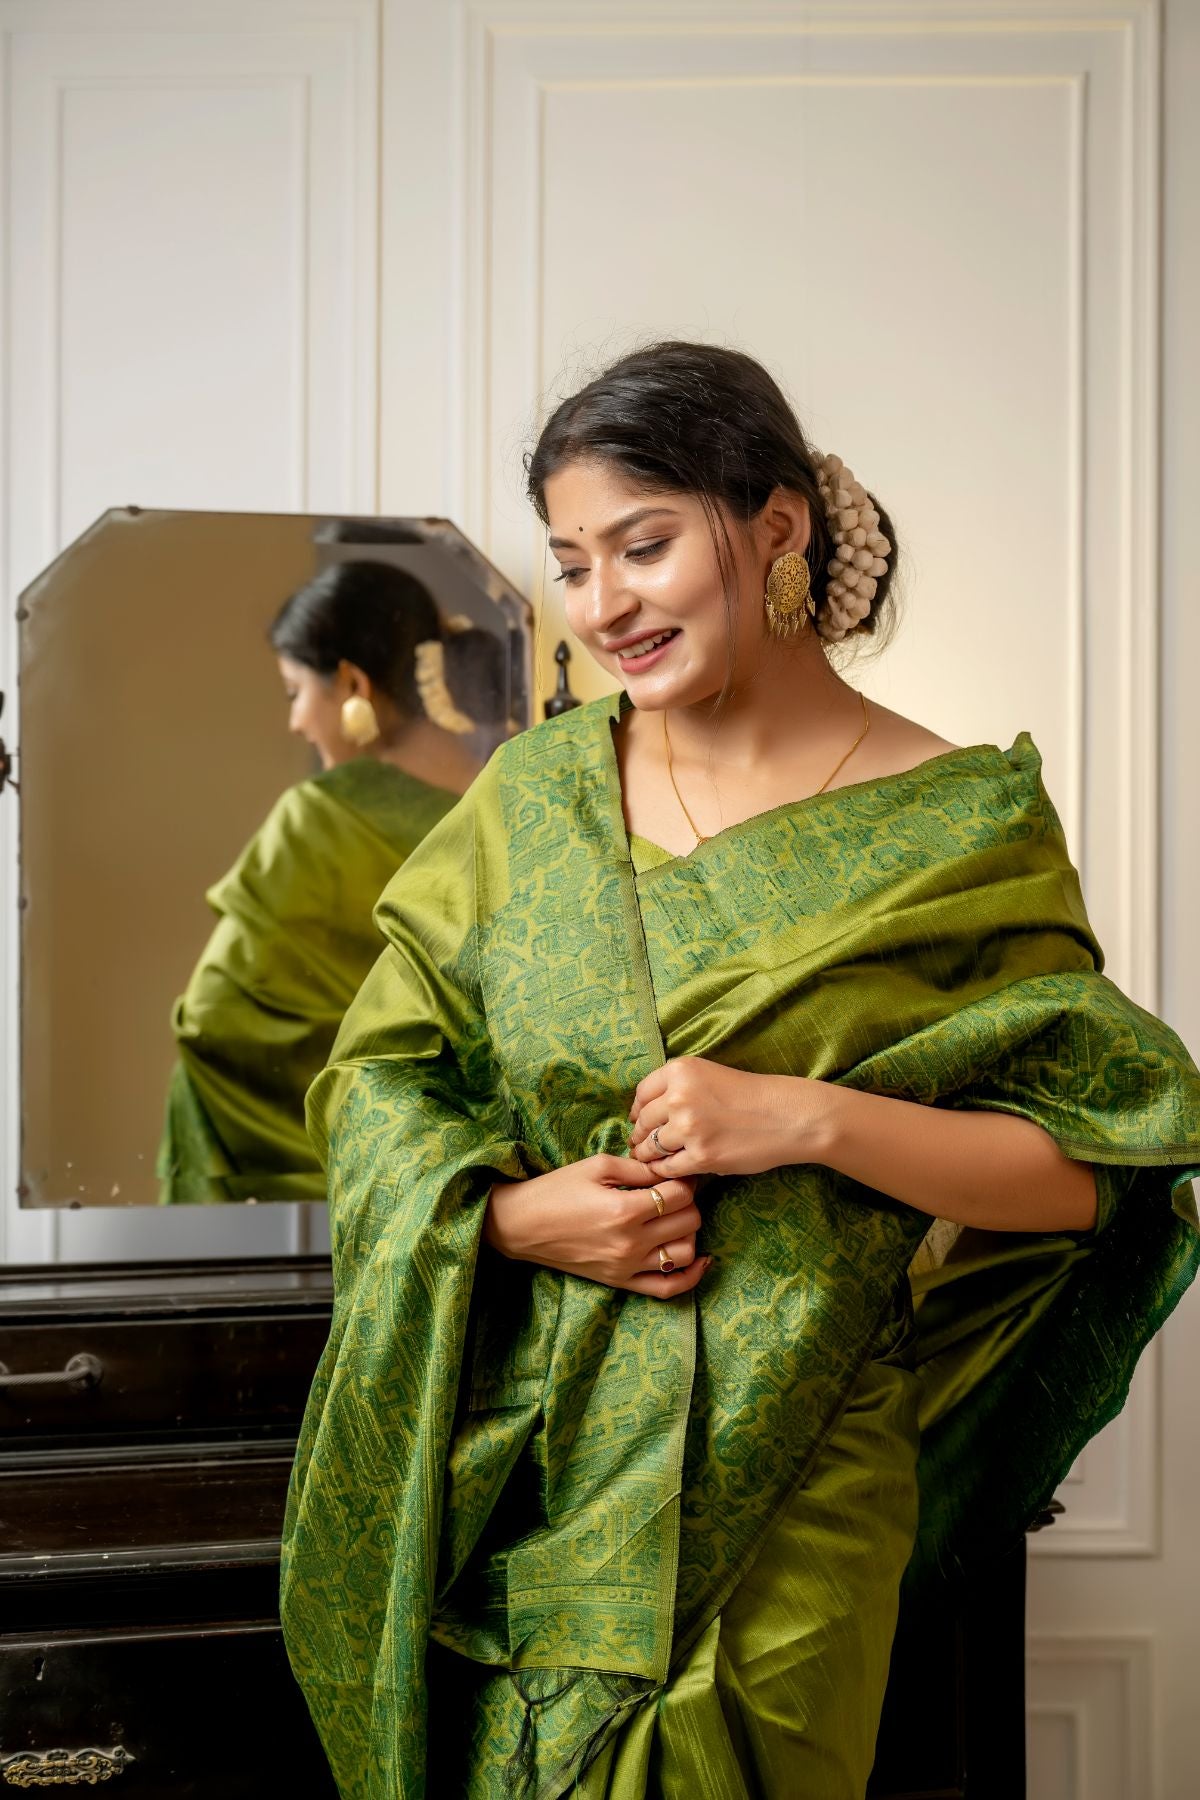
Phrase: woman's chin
{"type": "Point", "coordinates": [671, 691]}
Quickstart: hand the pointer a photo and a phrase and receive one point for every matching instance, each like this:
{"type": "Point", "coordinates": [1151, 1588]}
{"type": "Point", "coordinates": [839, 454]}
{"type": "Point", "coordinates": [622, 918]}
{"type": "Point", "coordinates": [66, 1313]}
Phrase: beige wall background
{"type": "Point", "coordinates": [952, 228]}
{"type": "Point", "coordinates": [154, 741]}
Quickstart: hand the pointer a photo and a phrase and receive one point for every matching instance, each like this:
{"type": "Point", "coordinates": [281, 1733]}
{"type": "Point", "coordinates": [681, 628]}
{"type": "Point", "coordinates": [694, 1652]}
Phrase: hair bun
{"type": "Point", "coordinates": [860, 550]}
{"type": "Point", "coordinates": [435, 695]}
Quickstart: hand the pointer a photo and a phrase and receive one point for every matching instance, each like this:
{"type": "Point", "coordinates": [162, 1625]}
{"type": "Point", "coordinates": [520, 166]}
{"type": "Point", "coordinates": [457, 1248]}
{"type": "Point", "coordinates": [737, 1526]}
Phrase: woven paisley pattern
{"type": "Point", "coordinates": [551, 1487]}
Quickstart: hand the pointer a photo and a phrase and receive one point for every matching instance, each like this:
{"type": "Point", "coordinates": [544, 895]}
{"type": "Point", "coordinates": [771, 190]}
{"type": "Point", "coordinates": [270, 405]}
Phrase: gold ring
{"type": "Point", "coordinates": [658, 1200]}
{"type": "Point", "coordinates": [664, 1261]}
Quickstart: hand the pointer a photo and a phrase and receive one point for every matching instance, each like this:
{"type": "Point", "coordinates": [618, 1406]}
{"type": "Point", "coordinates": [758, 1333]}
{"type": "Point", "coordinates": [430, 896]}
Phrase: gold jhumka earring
{"type": "Point", "coordinates": [360, 722]}
{"type": "Point", "coordinates": [788, 599]}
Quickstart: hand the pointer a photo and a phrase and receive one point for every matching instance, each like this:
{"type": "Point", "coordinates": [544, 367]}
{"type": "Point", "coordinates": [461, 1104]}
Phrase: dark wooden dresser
{"type": "Point", "coordinates": [148, 1415]}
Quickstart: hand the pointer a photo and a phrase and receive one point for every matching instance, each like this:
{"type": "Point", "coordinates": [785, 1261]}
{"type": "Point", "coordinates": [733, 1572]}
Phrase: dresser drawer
{"type": "Point", "coordinates": [198, 1714]}
{"type": "Point", "coordinates": [134, 1365]}
{"type": "Point", "coordinates": [64, 1505]}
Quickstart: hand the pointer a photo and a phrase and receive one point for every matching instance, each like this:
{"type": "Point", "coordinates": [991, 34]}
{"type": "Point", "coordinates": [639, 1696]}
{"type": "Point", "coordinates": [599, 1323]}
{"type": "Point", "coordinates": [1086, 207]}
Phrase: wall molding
{"type": "Point", "coordinates": [1098, 1691]}
{"type": "Point", "coordinates": [321, 58]}
{"type": "Point", "coordinates": [519, 53]}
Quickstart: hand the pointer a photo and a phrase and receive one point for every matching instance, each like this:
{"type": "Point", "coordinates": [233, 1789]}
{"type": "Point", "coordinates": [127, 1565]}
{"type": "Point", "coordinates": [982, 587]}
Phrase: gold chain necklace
{"type": "Point", "coordinates": [705, 837]}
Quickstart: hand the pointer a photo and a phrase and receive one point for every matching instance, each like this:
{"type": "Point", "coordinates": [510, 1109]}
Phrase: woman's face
{"type": "Point", "coordinates": [315, 711]}
{"type": "Point", "coordinates": [643, 589]}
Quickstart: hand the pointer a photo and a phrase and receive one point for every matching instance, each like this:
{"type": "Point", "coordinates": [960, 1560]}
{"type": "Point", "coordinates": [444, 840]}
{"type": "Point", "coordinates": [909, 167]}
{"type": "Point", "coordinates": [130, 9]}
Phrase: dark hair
{"type": "Point", "coordinates": [366, 531]}
{"type": "Point", "coordinates": [698, 419]}
{"type": "Point", "coordinates": [374, 615]}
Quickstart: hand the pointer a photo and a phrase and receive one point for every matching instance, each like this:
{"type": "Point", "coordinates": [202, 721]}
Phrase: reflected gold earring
{"type": "Point", "coordinates": [360, 722]}
{"type": "Point", "coordinates": [788, 599]}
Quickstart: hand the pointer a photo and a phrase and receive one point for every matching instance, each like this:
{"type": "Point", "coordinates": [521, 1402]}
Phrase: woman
{"type": "Point", "coordinates": [364, 663]}
{"type": "Point", "coordinates": [697, 1011]}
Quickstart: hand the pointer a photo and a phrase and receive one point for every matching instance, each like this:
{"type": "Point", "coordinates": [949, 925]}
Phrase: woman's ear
{"type": "Point", "coordinates": [351, 682]}
{"type": "Point", "coordinates": [785, 522]}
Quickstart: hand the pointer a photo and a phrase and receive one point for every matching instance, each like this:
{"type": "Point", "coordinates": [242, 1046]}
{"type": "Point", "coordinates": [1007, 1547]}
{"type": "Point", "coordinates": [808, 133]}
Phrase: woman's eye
{"type": "Point", "coordinates": [569, 576]}
{"type": "Point", "coordinates": [640, 552]}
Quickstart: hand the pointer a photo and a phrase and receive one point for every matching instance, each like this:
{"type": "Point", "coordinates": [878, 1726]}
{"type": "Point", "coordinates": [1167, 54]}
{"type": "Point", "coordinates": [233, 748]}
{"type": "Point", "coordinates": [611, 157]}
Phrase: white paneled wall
{"type": "Point", "coordinates": [192, 299]}
{"type": "Point", "coordinates": [1090, 1718]}
{"type": "Point", "coordinates": [939, 223]}
{"type": "Point", "coordinates": [234, 278]}
{"type": "Point", "coordinates": [944, 241]}
{"type": "Point", "coordinates": [192, 273]}
{"type": "Point", "coordinates": [1113, 1494]}
{"type": "Point", "coordinates": [939, 227]}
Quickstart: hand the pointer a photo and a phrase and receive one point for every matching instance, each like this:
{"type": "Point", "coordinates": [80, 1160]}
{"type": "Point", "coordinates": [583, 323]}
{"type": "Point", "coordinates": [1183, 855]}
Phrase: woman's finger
{"type": "Point", "coordinates": [675, 1195]}
{"type": "Point", "coordinates": [660, 1155]}
{"type": "Point", "coordinates": [665, 1287]}
{"type": "Point", "coordinates": [656, 1118]}
{"type": "Point", "coordinates": [679, 1165]}
{"type": "Point", "coordinates": [653, 1114]}
{"type": "Point", "coordinates": [679, 1251]}
{"type": "Point", "coordinates": [649, 1088]}
{"type": "Point", "coordinates": [624, 1171]}
{"type": "Point", "coordinates": [669, 1229]}
{"type": "Point", "coordinates": [676, 1234]}
{"type": "Point", "coordinates": [668, 1286]}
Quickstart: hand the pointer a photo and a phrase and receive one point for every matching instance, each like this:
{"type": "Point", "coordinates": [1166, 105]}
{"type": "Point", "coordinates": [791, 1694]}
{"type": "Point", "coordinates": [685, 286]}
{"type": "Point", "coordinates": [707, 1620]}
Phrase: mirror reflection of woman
{"type": "Point", "coordinates": [706, 1005]}
{"type": "Point", "coordinates": [381, 690]}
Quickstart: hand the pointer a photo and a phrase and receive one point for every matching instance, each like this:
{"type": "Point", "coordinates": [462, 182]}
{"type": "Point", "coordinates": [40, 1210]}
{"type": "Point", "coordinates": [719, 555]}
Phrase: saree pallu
{"type": "Point", "coordinates": [294, 939]}
{"type": "Point", "coordinates": [780, 1694]}
{"type": "Point", "coordinates": [564, 1483]}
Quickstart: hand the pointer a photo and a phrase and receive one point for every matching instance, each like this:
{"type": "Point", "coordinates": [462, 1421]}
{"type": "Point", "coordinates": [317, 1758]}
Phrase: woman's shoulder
{"type": "Point", "coordinates": [310, 827]}
{"type": "Point", "coordinates": [1002, 783]}
{"type": "Point", "coordinates": [896, 744]}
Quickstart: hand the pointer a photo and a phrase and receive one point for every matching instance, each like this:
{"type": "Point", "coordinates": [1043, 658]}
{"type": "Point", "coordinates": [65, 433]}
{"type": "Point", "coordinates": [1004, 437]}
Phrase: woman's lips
{"type": "Point", "coordinates": [632, 665]}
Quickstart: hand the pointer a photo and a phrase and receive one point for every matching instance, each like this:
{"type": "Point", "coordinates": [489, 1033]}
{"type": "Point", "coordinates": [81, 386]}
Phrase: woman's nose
{"type": "Point", "coordinates": [606, 600]}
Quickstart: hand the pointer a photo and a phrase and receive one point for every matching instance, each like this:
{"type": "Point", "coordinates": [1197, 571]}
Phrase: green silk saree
{"type": "Point", "coordinates": [563, 1484]}
{"type": "Point", "coordinates": [293, 942]}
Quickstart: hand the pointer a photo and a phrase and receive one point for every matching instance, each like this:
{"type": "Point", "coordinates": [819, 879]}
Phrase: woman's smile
{"type": "Point", "coordinates": [643, 653]}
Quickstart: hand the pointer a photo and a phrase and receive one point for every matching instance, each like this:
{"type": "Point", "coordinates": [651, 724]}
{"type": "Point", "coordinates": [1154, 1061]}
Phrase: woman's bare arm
{"type": "Point", "coordinates": [989, 1169]}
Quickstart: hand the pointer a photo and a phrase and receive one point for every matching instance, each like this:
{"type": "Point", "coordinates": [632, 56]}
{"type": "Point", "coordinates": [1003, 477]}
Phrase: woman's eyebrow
{"type": "Point", "coordinates": [618, 526]}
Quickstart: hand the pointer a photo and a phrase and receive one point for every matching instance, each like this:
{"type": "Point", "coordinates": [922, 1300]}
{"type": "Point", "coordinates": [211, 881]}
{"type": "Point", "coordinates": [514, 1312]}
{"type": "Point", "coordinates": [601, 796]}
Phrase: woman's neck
{"type": "Point", "coordinates": [422, 749]}
{"type": "Point", "coordinates": [792, 709]}
{"type": "Point", "coordinates": [779, 737]}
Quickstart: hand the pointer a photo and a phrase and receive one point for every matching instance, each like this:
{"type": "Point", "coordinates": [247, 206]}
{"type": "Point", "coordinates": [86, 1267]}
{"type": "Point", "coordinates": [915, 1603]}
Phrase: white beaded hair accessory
{"type": "Point", "coordinates": [860, 550]}
{"type": "Point", "coordinates": [436, 698]}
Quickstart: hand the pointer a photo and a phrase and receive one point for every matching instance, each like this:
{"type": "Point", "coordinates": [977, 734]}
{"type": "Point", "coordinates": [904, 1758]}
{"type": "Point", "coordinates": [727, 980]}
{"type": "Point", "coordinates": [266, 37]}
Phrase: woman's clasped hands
{"type": "Point", "coordinates": [599, 1219]}
{"type": "Point", "coordinates": [608, 1217]}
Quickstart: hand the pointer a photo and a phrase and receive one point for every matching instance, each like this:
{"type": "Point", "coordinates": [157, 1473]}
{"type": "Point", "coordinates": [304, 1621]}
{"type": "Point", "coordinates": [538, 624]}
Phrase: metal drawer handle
{"type": "Point", "coordinates": [85, 1369]}
{"type": "Point", "coordinates": [63, 1768]}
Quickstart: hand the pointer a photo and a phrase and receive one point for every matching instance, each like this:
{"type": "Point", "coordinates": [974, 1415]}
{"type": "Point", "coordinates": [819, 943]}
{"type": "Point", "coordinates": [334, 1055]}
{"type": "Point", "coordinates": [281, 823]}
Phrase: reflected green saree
{"type": "Point", "coordinates": [293, 942]}
{"type": "Point", "coordinates": [533, 1522]}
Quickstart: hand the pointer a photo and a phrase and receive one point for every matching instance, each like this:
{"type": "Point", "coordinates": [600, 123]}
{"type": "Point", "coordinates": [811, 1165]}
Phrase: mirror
{"type": "Point", "coordinates": [197, 880]}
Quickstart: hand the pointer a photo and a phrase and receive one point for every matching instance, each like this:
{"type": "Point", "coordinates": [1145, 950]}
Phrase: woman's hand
{"type": "Point", "coordinates": [717, 1121]}
{"type": "Point", "coordinates": [983, 1168]}
{"type": "Point", "coordinates": [598, 1219]}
